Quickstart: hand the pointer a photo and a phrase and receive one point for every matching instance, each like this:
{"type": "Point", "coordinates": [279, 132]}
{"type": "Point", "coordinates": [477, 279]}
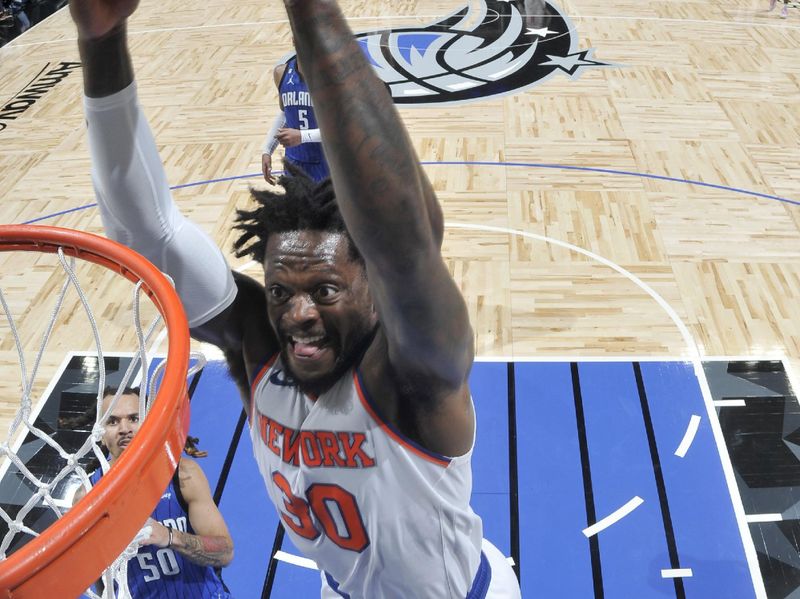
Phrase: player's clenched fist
{"type": "Point", "coordinates": [95, 18]}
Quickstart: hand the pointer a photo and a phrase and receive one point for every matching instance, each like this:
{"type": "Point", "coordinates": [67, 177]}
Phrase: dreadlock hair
{"type": "Point", "coordinates": [305, 206]}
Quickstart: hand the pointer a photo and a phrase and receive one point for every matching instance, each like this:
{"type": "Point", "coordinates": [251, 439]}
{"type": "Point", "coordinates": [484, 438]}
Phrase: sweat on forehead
{"type": "Point", "coordinates": [324, 245]}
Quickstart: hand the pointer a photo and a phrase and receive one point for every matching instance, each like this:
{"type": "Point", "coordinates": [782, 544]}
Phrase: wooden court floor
{"type": "Point", "coordinates": [645, 209]}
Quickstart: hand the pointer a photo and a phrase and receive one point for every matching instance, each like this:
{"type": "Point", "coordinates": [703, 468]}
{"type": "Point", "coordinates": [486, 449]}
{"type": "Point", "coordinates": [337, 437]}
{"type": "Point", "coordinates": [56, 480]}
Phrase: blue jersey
{"type": "Point", "coordinates": [299, 113]}
{"type": "Point", "coordinates": [161, 573]}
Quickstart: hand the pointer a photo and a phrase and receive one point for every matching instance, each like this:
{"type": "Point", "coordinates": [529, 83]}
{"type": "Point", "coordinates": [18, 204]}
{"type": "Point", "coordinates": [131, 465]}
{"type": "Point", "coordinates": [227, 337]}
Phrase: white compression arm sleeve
{"type": "Point", "coordinates": [137, 207]}
{"type": "Point", "coordinates": [271, 142]}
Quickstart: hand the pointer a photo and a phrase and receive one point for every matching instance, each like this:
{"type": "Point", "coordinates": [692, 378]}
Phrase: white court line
{"type": "Point", "coordinates": [677, 573]}
{"type": "Point", "coordinates": [688, 437]}
{"type": "Point", "coordinates": [613, 517]}
{"type": "Point", "coordinates": [696, 359]}
{"type": "Point", "coordinates": [790, 375]}
{"type": "Point", "coordinates": [295, 560]}
{"type": "Point", "coordinates": [764, 518]}
{"type": "Point", "coordinates": [729, 403]}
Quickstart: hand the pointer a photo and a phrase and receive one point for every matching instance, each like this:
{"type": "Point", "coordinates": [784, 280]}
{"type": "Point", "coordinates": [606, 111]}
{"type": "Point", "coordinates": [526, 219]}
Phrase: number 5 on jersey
{"type": "Point", "coordinates": [346, 531]}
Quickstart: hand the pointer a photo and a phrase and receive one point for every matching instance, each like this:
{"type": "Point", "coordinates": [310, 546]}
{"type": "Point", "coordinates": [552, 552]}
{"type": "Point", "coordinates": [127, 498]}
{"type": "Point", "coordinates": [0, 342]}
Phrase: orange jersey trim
{"type": "Point", "coordinates": [255, 383]}
{"type": "Point", "coordinates": [410, 445]}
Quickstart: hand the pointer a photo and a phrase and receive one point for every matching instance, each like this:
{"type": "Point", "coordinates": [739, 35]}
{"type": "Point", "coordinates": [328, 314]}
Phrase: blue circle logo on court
{"type": "Point", "coordinates": [483, 50]}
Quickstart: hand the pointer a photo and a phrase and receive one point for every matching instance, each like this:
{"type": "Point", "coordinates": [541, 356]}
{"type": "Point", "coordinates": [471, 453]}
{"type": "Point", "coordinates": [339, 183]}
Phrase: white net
{"type": "Point", "coordinates": [38, 496]}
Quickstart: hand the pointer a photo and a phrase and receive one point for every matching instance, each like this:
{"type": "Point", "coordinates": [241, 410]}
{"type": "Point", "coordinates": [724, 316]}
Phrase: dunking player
{"type": "Point", "coordinates": [357, 348]}
{"type": "Point", "coordinates": [189, 537]}
{"type": "Point", "coordinates": [295, 127]}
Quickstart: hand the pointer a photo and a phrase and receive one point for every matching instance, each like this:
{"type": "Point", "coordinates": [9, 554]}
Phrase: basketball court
{"type": "Point", "coordinates": [620, 185]}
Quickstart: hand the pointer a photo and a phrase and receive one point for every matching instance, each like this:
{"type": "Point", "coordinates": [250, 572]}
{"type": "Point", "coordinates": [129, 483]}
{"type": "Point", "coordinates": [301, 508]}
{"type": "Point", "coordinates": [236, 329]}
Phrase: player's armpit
{"type": "Point", "coordinates": [242, 330]}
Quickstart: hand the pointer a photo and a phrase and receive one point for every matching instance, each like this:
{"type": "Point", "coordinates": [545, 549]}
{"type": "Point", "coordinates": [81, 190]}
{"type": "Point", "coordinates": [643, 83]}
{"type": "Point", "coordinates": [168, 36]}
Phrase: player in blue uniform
{"type": "Point", "coordinates": [189, 537]}
{"type": "Point", "coordinates": [295, 128]}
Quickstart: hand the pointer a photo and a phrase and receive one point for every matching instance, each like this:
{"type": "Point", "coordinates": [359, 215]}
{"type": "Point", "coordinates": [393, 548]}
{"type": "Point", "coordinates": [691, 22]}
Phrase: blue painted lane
{"type": "Point", "coordinates": [633, 551]}
{"type": "Point", "coordinates": [215, 410]}
{"type": "Point", "coordinates": [705, 527]}
{"type": "Point", "coordinates": [554, 554]}
{"type": "Point", "coordinates": [490, 497]}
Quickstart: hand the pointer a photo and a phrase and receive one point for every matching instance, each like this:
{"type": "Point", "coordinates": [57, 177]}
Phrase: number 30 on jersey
{"type": "Point", "coordinates": [325, 502]}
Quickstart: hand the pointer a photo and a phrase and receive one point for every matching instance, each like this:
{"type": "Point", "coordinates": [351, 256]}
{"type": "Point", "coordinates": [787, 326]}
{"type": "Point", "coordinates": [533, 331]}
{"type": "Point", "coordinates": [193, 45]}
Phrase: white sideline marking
{"type": "Point", "coordinates": [729, 403]}
{"type": "Point", "coordinates": [613, 517]}
{"type": "Point", "coordinates": [677, 573]}
{"type": "Point", "coordinates": [764, 517]}
{"type": "Point", "coordinates": [688, 437]}
{"type": "Point", "coordinates": [296, 560]}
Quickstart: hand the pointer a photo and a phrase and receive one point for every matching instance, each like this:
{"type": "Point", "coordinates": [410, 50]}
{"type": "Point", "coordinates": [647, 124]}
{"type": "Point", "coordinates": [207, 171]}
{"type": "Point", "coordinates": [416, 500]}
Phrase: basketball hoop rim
{"type": "Point", "coordinates": [107, 519]}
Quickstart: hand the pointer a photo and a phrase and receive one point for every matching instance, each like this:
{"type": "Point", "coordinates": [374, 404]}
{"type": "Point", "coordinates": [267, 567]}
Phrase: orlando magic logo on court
{"type": "Point", "coordinates": [486, 49]}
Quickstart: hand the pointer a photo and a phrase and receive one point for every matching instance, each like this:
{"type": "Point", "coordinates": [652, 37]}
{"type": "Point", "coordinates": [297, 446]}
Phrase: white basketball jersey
{"type": "Point", "coordinates": [381, 516]}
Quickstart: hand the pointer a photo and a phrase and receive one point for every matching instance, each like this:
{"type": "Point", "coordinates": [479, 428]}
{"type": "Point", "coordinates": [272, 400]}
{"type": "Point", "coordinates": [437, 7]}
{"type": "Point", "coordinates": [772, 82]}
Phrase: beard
{"type": "Point", "coordinates": [346, 359]}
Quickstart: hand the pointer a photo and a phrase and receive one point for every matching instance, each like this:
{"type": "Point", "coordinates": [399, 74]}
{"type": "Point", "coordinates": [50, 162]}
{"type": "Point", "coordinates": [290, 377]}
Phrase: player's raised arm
{"type": "Point", "coordinates": [135, 201]}
{"type": "Point", "coordinates": [387, 202]}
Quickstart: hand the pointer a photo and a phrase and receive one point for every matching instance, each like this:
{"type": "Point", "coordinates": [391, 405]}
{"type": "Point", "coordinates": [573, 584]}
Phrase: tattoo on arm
{"type": "Point", "coordinates": [378, 178]}
{"type": "Point", "coordinates": [202, 550]}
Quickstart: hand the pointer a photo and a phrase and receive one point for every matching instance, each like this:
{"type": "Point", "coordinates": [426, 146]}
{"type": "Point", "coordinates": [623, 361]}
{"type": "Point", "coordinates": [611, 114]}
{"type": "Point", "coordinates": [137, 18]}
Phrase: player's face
{"type": "Point", "coordinates": [123, 423]}
{"type": "Point", "coordinates": [319, 305]}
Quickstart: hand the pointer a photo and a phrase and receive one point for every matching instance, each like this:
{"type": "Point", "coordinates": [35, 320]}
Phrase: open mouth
{"type": "Point", "coordinates": [307, 347]}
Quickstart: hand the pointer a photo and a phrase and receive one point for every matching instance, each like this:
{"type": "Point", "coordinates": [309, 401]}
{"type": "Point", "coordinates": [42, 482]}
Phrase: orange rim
{"type": "Point", "coordinates": [68, 557]}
